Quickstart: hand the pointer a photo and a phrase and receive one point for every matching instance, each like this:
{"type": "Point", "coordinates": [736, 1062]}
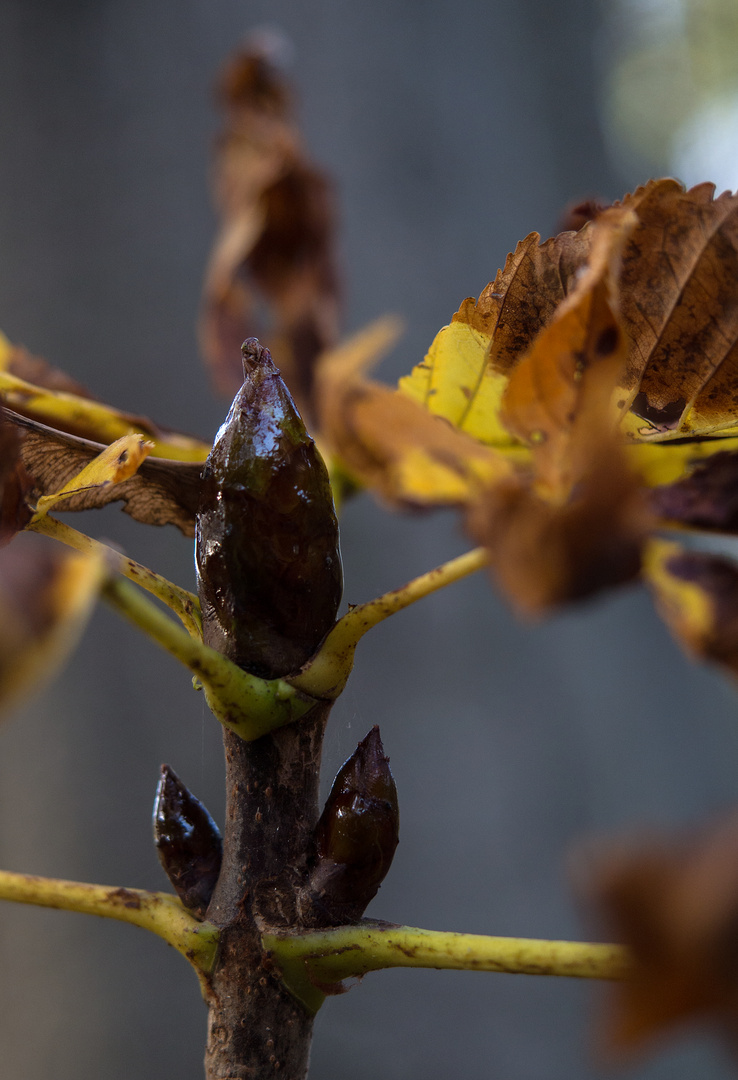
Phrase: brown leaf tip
{"type": "Point", "coordinates": [576, 215]}
{"type": "Point", "coordinates": [253, 77]}
{"type": "Point", "coordinates": [707, 497]}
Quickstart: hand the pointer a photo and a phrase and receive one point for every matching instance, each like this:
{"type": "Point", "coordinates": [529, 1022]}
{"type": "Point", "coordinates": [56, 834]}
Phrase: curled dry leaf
{"type": "Point", "coordinates": [577, 525]}
{"type": "Point", "coordinates": [162, 492]}
{"type": "Point", "coordinates": [596, 364]}
{"type": "Point", "coordinates": [276, 243]}
{"type": "Point", "coordinates": [677, 308]}
{"type": "Point", "coordinates": [548, 403]}
{"type": "Point", "coordinates": [545, 555]}
{"type": "Point", "coordinates": [46, 596]}
{"type": "Point", "coordinates": [674, 902]}
{"type": "Point", "coordinates": [707, 498]}
{"type": "Point", "coordinates": [116, 463]}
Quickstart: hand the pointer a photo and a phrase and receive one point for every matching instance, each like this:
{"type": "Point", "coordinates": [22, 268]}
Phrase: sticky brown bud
{"type": "Point", "coordinates": [356, 835]}
{"type": "Point", "coordinates": [268, 563]}
{"type": "Point", "coordinates": [188, 842]}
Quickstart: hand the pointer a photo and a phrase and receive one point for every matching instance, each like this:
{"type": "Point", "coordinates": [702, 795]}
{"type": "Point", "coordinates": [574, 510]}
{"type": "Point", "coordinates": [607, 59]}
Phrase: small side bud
{"type": "Point", "coordinates": [188, 842]}
{"type": "Point", "coordinates": [356, 835]}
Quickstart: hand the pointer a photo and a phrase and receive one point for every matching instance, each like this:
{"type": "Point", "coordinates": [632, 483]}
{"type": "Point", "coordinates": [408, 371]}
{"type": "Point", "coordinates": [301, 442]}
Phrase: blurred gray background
{"type": "Point", "coordinates": [452, 129]}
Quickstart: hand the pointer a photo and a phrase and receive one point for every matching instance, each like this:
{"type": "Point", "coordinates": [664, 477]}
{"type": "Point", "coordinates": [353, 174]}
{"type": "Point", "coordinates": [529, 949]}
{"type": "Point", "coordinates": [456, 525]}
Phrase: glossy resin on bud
{"type": "Point", "coordinates": [356, 835]}
{"type": "Point", "coordinates": [188, 842]}
{"type": "Point", "coordinates": [268, 563]}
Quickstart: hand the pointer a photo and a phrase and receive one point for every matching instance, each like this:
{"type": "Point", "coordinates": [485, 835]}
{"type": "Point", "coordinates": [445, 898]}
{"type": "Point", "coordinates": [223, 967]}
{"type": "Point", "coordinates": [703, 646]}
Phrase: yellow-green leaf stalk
{"type": "Point", "coordinates": [161, 913]}
{"type": "Point", "coordinates": [249, 706]}
{"type": "Point", "coordinates": [326, 674]}
{"type": "Point", "coordinates": [184, 604]}
{"type": "Point", "coordinates": [315, 963]}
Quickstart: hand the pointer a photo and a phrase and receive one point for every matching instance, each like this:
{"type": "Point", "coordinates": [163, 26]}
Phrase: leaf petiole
{"type": "Point", "coordinates": [184, 604]}
{"type": "Point", "coordinates": [249, 706]}
{"type": "Point", "coordinates": [315, 962]}
{"type": "Point", "coordinates": [326, 674]}
{"type": "Point", "coordinates": [161, 913]}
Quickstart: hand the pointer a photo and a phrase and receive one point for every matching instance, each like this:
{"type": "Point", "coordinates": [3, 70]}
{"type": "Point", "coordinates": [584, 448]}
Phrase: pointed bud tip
{"type": "Point", "coordinates": [256, 358]}
{"type": "Point", "coordinates": [371, 745]}
{"type": "Point", "coordinates": [368, 767]}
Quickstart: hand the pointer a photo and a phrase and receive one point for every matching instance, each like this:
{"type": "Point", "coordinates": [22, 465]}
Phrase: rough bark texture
{"type": "Point", "coordinates": [256, 1028]}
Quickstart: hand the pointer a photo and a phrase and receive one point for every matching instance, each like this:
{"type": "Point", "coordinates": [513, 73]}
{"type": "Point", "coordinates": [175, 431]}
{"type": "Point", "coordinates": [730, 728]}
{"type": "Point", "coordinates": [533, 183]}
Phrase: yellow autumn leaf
{"type": "Point", "coordinates": [389, 442]}
{"type": "Point", "coordinates": [456, 382]}
{"type": "Point", "coordinates": [677, 312]}
{"type": "Point", "coordinates": [115, 464]}
{"type": "Point", "coordinates": [466, 370]}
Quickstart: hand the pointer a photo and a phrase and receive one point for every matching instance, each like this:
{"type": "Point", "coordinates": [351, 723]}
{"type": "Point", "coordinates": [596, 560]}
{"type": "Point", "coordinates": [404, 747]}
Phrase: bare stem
{"type": "Point", "coordinates": [326, 674]}
{"type": "Point", "coordinates": [184, 604]}
{"type": "Point", "coordinates": [315, 962]}
{"type": "Point", "coordinates": [161, 913]}
{"type": "Point", "coordinates": [249, 706]}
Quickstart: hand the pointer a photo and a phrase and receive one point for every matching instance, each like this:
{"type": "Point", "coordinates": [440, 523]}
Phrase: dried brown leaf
{"type": "Point", "coordinates": [678, 304]}
{"type": "Point", "coordinates": [674, 902]}
{"type": "Point", "coordinates": [277, 238]}
{"type": "Point", "coordinates": [545, 555]}
{"type": "Point", "coordinates": [576, 524]}
{"type": "Point", "coordinates": [162, 492]}
{"type": "Point", "coordinates": [707, 498]}
{"type": "Point", "coordinates": [524, 296]}
{"type": "Point", "coordinates": [547, 398]}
